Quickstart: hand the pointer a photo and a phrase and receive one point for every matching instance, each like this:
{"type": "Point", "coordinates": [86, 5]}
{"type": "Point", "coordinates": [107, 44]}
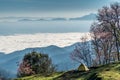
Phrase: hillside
{"type": "Point", "coordinates": [60, 56]}
{"type": "Point", "coordinates": [105, 72]}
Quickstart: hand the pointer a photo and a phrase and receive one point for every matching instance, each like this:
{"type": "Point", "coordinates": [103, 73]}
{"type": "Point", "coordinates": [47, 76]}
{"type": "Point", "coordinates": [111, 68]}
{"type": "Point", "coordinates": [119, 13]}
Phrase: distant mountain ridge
{"type": "Point", "coordinates": [2, 54]}
{"type": "Point", "coordinates": [90, 16]}
{"type": "Point", "coordinates": [85, 17]}
{"type": "Point", "coordinates": [60, 57]}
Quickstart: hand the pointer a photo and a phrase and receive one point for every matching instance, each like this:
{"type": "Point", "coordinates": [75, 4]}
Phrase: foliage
{"type": "Point", "coordinates": [25, 69]}
{"type": "Point", "coordinates": [35, 63]}
{"type": "Point", "coordinates": [106, 34]}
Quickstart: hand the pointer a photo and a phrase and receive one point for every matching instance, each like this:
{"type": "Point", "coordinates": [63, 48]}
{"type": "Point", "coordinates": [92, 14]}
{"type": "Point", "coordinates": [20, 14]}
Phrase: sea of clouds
{"type": "Point", "coordinates": [12, 43]}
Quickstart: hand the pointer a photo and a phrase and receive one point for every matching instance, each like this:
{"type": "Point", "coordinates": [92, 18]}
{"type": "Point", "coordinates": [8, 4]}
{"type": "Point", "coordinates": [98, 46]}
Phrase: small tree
{"type": "Point", "coordinates": [25, 69]}
{"type": "Point", "coordinates": [82, 52]}
{"type": "Point", "coordinates": [35, 63]}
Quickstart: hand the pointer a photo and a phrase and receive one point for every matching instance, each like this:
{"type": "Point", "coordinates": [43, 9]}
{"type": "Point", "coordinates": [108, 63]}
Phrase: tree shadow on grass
{"type": "Point", "coordinates": [71, 75]}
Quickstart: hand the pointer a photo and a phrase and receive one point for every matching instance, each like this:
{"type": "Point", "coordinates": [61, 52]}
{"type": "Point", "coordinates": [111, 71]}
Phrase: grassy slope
{"type": "Point", "coordinates": [105, 72]}
{"type": "Point", "coordinates": [38, 77]}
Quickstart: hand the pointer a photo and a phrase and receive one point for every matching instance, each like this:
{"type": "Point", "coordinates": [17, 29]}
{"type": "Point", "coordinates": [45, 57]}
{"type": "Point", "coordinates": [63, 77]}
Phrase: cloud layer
{"type": "Point", "coordinates": [18, 42]}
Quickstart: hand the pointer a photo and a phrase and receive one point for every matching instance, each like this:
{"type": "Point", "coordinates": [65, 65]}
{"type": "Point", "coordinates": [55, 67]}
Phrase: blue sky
{"type": "Point", "coordinates": [50, 8]}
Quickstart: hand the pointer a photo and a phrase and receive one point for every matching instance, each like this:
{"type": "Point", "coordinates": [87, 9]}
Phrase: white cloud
{"type": "Point", "coordinates": [18, 42]}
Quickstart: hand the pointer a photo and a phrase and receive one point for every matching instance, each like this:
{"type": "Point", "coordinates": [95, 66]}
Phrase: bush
{"type": "Point", "coordinates": [35, 63]}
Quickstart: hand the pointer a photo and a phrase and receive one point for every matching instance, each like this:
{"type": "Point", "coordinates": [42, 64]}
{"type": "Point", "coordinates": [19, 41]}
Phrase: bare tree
{"type": "Point", "coordinates": [109, 18]}
{"type": "Point", "coordinates": [82, 52]}
{"type": "Point", "coordinates": [102, 43]}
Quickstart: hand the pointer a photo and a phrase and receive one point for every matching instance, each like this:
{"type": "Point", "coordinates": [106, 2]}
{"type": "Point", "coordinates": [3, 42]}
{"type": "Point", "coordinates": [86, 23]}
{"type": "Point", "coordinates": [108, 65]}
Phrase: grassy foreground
{"type": "Point", "coordinates": [38, 77]}
{"type": "Point", "coordinates": [105, 72]}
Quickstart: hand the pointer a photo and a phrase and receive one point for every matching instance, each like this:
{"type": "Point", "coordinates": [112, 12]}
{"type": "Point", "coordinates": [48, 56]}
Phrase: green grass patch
{"type": "Point", "coordinates": [39, 77]}
{"type": "Point", "coordinates": [104, 72]}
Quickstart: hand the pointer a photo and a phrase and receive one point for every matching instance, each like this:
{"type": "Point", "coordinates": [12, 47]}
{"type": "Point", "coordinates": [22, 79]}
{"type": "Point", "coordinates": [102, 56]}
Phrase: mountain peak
{"type": "Point", "coordinates": [90, 16]}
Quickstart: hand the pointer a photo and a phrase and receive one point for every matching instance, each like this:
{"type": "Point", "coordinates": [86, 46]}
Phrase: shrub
{"type": "Point", "coordinates": [35, 63]}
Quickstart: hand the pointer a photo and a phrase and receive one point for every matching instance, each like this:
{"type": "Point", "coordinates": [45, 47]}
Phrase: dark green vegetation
{"type": "Point", "coordinates": [104, 72]}
{"type": "Point", "coordinates": [35, 63]}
